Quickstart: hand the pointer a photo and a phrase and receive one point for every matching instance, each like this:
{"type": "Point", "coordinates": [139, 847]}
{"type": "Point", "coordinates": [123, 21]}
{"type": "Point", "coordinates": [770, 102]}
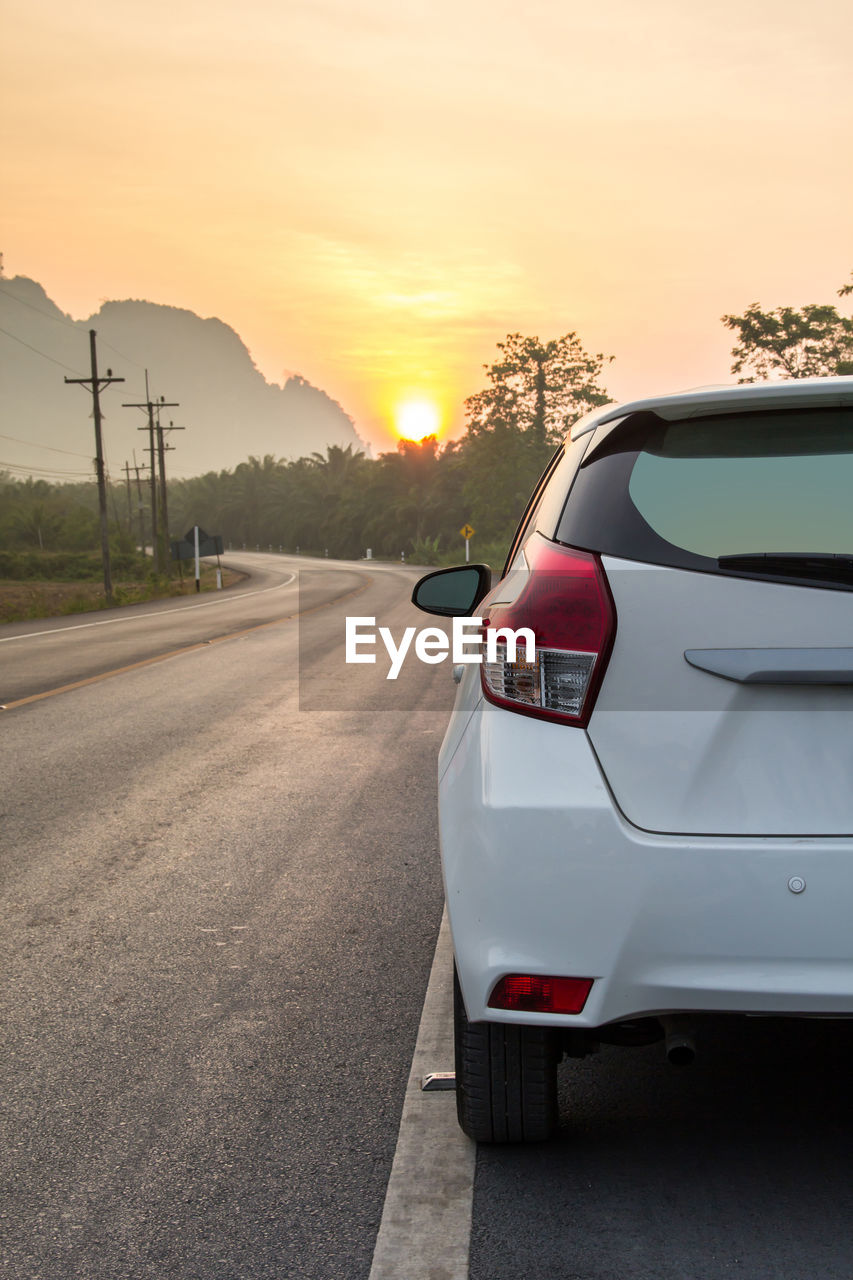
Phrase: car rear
{"type": "Point", "coordinates": [657, 813]}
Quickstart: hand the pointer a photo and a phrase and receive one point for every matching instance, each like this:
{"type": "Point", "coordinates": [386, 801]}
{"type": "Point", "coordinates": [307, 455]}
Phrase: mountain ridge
{"type": "Point", "coordinates": [229, 409]}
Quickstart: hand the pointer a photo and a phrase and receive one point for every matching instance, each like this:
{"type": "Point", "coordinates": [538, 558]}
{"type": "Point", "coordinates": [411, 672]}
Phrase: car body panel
{"type": "Point", "coordinates": [543, 874]}
{"type": "Point", "coordinates": [684, 750]}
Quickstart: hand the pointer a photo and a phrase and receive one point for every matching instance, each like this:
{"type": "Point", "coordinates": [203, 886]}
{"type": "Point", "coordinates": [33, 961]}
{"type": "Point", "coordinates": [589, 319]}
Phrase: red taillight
{"type": "Point", "coordinates": [529, 993]}
{"type": "Point", "coordinates": [565, 601]}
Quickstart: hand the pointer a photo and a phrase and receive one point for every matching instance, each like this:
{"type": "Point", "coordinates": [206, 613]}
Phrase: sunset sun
{"type": "Point", "coordinates": [414, 419]}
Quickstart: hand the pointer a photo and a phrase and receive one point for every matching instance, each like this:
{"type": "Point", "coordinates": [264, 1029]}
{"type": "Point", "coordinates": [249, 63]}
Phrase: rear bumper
{"type": "Point", "coordinates": [544, 875]}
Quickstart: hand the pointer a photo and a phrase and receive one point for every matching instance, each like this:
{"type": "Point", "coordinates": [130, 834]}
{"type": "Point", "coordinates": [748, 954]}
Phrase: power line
{"type": "Point", "coordinates": [121, 353]}
{"type": "Point", "coordinates": [36, 445]}
{"type": "Point", "coordinates": [42, 471]}
{"type": "Point", "coordinates": [60, 319]}
{"type": "Point", "coordinates": [38, 353]}
{"type": "Point", "coordinates": [71, 324]}
{"type": "Point", "coordinates": [184, 472]}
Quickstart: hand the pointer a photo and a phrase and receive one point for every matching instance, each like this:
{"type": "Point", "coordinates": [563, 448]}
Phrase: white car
{"type": "Point", "coordinates": [652, 820]}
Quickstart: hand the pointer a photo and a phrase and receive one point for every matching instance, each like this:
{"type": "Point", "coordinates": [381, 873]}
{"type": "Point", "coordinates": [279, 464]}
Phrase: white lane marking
{"type": "Point", "coordinates": [426, 1222]}
{"type": "Point", "coordinates": [151, 613]}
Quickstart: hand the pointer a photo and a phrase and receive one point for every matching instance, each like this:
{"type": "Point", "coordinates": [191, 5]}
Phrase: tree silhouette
{"type": "Point", "coordinates": [815, 341]}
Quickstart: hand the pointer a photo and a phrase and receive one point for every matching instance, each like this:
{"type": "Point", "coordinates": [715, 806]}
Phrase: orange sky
{"type": "Point", "coordinates": [374, 192]}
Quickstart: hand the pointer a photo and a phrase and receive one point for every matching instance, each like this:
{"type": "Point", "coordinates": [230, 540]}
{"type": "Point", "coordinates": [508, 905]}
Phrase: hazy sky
{"type": "Point", "coordinates": [374, 193]}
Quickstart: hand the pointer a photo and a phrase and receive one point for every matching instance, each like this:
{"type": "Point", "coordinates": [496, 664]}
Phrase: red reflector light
{"type": "Point", "coordinates": [530, 993]}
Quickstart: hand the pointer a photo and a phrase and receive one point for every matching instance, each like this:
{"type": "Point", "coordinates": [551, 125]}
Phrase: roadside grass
{"type": "Point", "coordinates": [70, 566]}
{"type": "Point", "coordinates": [22, 600]}
{"type": "Point", "coordinates": [490, 553]}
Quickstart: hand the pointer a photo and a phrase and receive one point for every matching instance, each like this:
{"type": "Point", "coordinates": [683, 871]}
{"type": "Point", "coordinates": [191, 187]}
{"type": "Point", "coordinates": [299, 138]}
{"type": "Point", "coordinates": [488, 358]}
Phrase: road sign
{"type": "Point", "coordinates": [209, 544]}
{"type": "Point", "coordinates": [467, 531]}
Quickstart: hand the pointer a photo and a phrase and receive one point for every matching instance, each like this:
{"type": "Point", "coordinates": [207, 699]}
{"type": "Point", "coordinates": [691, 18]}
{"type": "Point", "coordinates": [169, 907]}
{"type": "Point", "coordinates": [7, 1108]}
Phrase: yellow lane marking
{"type": "Point", "coordinates": [177, 653]}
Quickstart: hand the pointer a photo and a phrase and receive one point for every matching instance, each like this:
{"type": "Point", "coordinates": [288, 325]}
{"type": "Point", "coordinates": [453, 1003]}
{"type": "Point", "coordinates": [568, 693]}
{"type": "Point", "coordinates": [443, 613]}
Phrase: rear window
{"type": "Point", "coordinates": [762, 482]}
{"type": "Point", "coordinates": [689, 492]}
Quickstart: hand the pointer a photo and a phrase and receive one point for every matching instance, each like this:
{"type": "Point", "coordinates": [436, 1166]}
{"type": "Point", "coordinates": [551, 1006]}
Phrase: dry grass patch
{"type": "Point", "coordinates": [32, 599]}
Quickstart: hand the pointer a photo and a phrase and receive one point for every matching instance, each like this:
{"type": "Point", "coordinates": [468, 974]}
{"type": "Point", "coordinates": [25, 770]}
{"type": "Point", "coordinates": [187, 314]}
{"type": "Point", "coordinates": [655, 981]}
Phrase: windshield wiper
{"type": "Point", "coordinates": [818, 566]}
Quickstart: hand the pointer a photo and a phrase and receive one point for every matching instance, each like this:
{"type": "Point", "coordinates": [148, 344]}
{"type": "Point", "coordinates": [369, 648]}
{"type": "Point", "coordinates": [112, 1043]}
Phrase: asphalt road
{"type": "Point", "coordinates": [219, 900]}
{"type": "Point", "coordinates": [217, 918]}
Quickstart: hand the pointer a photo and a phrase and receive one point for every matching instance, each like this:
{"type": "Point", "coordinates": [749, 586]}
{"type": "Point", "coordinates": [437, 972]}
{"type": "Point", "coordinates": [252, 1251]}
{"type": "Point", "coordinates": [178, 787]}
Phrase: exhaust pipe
{"type": "Point", "coordinates": [680, 1041]}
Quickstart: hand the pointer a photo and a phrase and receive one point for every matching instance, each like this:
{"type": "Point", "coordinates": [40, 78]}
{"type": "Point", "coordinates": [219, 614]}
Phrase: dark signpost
{"type": "Point", "coordinates": [195, 544]}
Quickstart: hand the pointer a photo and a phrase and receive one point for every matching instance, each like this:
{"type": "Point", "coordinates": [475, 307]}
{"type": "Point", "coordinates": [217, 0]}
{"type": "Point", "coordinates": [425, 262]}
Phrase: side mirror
{"type": "Point", "coordinates": [453, 593]}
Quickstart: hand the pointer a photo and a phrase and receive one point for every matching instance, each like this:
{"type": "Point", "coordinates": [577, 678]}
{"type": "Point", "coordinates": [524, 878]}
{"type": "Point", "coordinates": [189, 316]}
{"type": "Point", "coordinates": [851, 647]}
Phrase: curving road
{"type": "Point", "coordinates": [40, 655]}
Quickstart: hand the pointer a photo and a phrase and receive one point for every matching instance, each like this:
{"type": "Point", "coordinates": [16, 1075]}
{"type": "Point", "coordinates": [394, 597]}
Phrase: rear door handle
{"type": "Point", "coordinates": [776, 666]}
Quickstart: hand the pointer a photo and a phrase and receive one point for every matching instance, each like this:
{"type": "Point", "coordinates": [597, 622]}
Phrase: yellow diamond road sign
{"type": "Point", "coordinates": [467, 531]}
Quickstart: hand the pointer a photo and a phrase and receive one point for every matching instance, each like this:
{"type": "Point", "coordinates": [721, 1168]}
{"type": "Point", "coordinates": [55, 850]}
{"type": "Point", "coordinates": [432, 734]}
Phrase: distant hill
{"type": "Point", "coordinates": [228, 408]}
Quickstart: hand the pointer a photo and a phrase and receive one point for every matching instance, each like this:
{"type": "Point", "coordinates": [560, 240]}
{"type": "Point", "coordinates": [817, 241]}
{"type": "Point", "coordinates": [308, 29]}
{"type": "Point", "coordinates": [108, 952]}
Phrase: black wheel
{"type": "Point", "coordinates": [506, 1078]}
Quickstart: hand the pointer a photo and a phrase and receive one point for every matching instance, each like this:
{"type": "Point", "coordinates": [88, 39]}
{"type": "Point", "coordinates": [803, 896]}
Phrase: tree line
{"type": "Point", "coordinates": [414, 500]}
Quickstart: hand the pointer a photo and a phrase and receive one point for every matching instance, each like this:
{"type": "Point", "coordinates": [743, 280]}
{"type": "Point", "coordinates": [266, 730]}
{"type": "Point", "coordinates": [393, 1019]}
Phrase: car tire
{"type": "Point", "coordinates": [506, 1078]}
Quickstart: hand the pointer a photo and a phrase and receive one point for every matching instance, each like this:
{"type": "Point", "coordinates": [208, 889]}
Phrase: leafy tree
{"type": "Point", "coordinates": [500, 468]}
{"type": "Point", "coordinates": [414, 473]}
{"type": "Point", "coordinates": [251, 497]}
{"type": "Point", "coordinates": [37, 525]}
{"type": "Point", "coordinates": [38, 515]}
{"type": "Point", "coordinates": [200, 500]}
{"type": "Point", "coordinates": [328, 500]}
{"type": "Point", "coordinates": [80, 529]}
{"type": "Point", "coordinates": [816, 341]}
{"type": "Point", "coordinates": [537, 390]}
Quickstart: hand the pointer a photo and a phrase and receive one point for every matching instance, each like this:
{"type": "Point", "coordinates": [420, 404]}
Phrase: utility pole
{"type": "Point", "coordinates": [155, 529]}
{"type": "Point", "coordinates": [140, 506]}
{"type": "Point", "coordinates": [95, 383]}
{"type": "Point", "coordinates": [126, 470]}
{"type": "Point", "coordinates": [161, 454]}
